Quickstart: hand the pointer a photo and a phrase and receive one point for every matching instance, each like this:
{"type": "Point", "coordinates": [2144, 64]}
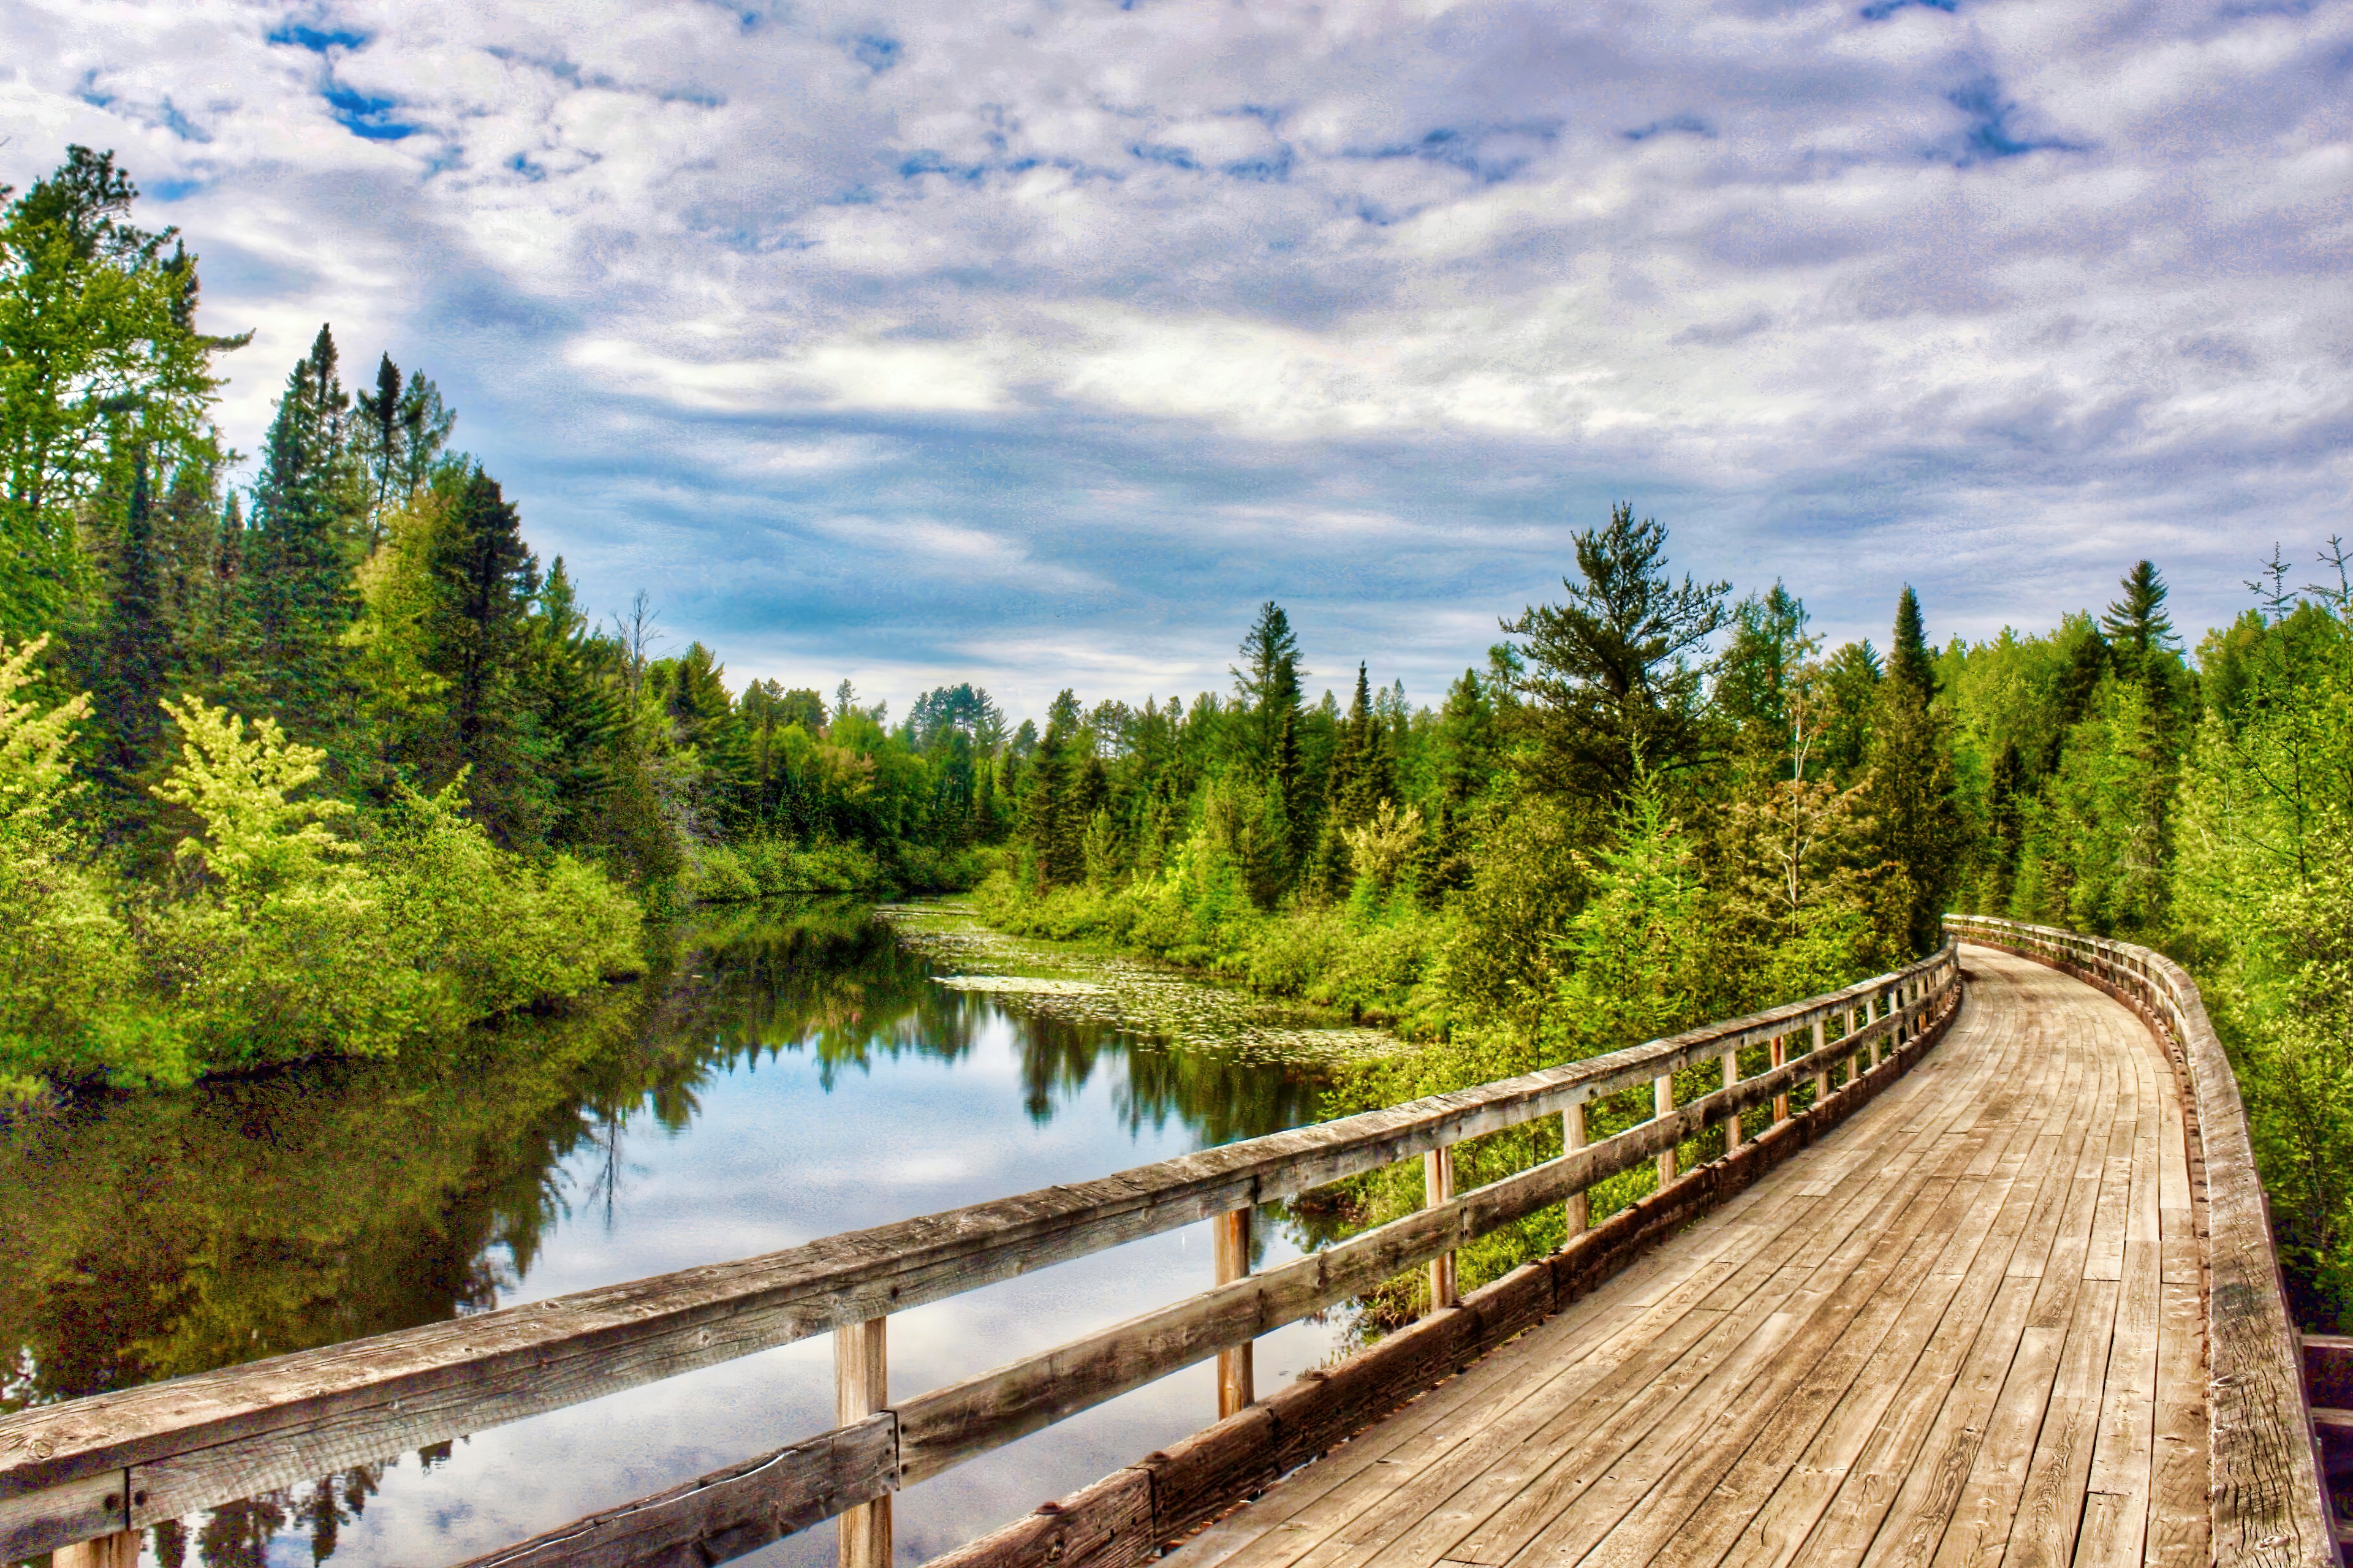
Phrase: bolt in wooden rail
{"type": "Point", "coordinates": [2266, 1498]}
{"type": "Point", "coordinates": [195, 1442]}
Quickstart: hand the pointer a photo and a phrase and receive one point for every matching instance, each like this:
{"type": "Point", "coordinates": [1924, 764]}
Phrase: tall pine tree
{"type": "Point", "coordinates": [1615, 675]}
{"type": "Point", "coordinates": [295, 578]}
{"type": "Point", "coordinates": [1916, 825]}
{"type": "Point", "coordinates": [480, 644]}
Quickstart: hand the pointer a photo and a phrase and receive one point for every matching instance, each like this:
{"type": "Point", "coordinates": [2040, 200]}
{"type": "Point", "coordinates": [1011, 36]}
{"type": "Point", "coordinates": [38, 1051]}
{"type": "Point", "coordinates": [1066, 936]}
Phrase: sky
{"type": "Point", "coordinates": [1036, 344]}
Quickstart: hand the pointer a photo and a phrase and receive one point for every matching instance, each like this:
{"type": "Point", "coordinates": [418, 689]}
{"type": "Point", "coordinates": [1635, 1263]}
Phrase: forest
{"type": "Point", "coordinates": [330, 760]}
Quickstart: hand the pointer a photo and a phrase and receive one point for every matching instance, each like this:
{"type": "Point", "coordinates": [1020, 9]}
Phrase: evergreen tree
{"type": "Point", "coordinates": [576, 695]}
{"type": "Point", "coordinates": [1911, 796]}
{"type": "Point", "coordinates": [426, 423]}
{"type": "Point", "coordinates": [1759, 670]}
{"type": "Point", "coordinates": [2140, 632]}
{"type": "Point", "coordinates": [2006, 816]}
{"type": "Point", "coordinates": [137, 657]}
{"type": "Point", "coordinates": [1047, 813]}
{"type": "Point", "coordinates": [1909, 662]}
{"type": "Point", "coordinates": [488, 579]}
{"type": "Point", "coordinates": [1267, 681]}
{"type": "Point", "coordinates": [1361, 775]}
{"type": "Point", "coordinates": [1616, 674]}
{"type": "Point", "coordinates": [1290, 796]}
{"type": "Point", "coordinates": [1851, 681]}
{"type": "Point", "coordinates": [379, 441]}
{"type": "Point", "coordinates": [295, 577]}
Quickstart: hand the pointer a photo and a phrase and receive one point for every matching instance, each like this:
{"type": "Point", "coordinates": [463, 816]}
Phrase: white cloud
{"type": "Point", "coordinates": [989, 267]}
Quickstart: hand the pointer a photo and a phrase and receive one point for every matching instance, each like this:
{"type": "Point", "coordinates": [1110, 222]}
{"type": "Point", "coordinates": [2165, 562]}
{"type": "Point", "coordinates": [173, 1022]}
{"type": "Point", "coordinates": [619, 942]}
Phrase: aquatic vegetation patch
{"type": "Point", "coordinates": [1182, 1011]}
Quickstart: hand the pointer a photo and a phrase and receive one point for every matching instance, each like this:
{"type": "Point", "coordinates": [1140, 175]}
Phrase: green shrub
{"type": "Point", "coordinates": [716, 874]}
{"type": "Point", "coordinates": [284, 937]}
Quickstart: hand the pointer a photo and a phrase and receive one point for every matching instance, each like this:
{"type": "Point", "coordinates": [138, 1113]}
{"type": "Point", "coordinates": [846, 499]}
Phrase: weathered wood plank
{"type": "Point", "coordinates": [1313, 1414]}
{"type": "Point", "coordinates": [950, 1424]}
{"type": "Point", "coordinates": [861, 1386]}
{"type": "Point", "coordinates": [726, 1513]}
{"type": "Point", "coordinates": [78, 1511]}
{"type": "Point", "coordinates": [270, 1422]}
{"type": "Point", "coordinates": [1107, 1525]}
{"type": "Point", "coordinates": [2177, 1527]}
{"type": "Point", "coordinates": [2266, 1501]}
{"type": "Point", "coordinates": [1782, 1526]}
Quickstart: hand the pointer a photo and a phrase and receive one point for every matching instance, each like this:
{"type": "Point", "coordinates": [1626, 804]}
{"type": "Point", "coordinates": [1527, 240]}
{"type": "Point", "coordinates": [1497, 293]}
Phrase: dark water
{"type": "Point", "coordinates": [783, 1075]}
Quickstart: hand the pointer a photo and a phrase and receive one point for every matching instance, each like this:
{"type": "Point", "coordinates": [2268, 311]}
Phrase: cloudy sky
{"type": "Point", "coordinates": [1035, 344]}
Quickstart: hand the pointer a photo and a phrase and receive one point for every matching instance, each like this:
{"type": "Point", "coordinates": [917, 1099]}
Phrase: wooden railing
{"type": "Point", "coordinates": [2266, 1495]}
{"type": "Point", "coordinates": [97, 1471]}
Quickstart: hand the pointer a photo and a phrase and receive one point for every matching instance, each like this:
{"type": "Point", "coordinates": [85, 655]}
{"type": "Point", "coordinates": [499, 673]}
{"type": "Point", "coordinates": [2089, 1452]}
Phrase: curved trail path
{"type": "Point", "coordinates": [1965, 1327]}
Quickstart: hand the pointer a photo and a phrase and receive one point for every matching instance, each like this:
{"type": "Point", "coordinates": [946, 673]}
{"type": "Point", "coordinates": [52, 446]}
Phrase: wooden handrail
{"type": "Point", "coordinates": [74, 1470]}
{"type": "Point", "coordinates": [2268, 1502]}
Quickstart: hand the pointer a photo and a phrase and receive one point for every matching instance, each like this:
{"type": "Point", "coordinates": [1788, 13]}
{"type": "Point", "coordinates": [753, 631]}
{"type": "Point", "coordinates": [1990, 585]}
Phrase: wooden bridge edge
{"type": "Point", "coordinates": [1124, 1519]}
{"type": "Point", "coordinates": [2267, 1498]}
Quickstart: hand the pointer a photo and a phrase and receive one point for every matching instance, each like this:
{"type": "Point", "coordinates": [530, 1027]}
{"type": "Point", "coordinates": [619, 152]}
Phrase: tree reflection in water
{"type": "Point", "coordinates": [151, 1236]}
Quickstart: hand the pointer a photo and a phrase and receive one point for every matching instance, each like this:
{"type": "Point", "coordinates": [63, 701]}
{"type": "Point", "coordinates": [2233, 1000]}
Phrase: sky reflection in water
{"type": "Point", "coordinates": [782, 1076]}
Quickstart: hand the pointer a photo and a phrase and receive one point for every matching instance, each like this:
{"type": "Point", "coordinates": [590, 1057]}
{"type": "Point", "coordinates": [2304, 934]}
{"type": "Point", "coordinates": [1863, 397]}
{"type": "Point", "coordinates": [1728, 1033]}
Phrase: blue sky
{"type": "Point", "coordinates": [1035, 344]}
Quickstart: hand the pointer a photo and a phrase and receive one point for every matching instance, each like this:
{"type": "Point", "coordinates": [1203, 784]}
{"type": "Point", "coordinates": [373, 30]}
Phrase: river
{"type": "Point", "coordinates": [781, 1074]}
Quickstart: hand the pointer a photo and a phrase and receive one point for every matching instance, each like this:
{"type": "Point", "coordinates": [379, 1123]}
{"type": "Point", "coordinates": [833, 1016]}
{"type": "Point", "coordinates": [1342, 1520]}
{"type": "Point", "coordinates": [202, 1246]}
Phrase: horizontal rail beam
{"type": "Point", "coordinates": [199, 1440]}
{"type": "Point", "coordinates": [949, 1426]}
{"type": "Point", "coordinates": [2267, 1499]}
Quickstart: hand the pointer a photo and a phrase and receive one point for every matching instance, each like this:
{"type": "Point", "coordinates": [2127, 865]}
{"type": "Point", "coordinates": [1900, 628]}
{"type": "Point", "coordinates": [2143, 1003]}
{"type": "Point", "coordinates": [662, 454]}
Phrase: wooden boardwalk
{"type": "Point", "coordinates": [1967, 1326]}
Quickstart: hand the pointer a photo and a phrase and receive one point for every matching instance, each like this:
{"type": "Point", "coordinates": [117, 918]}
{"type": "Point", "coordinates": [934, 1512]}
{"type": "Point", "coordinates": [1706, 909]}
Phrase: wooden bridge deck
{"type": "Point", "coordinates": [1967, 1326]}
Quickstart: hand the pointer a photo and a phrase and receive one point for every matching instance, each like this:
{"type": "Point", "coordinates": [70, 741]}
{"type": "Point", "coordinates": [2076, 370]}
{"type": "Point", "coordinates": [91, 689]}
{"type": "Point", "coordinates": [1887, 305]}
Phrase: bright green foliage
{"type": "Point", "coordinates": [98, 356]}
{"type": "Point", "coordinates": [1640, 951]}
{"type": "Point", "coordinates": [65, 959]}
{"type": "Point", "coordinates": [302, 939]}
{"type": "Point", "coordinates": [255, 840]}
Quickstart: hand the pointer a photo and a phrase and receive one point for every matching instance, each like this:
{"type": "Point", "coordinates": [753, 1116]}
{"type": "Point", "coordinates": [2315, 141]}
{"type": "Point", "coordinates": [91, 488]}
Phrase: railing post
{"type": "Point", "coordinates": [1854, 1068]}
{"type": "Point", "coordinates": [119, 1550]}
{"type": "Point", "coordinates": [1663, 1103]}
{"type": "Point", "coordinates": [1438, 1187]}
{"type": "Point", "coordinates": [1821, 1078]}
{"type": "Point", "coordinates": [1780, 1058]}
{"type": "Point", "coordinates": [1229, 1247]}
{"type": "Point", "coordinates": [862, 1385]}
{"type": "Point", "coordinates": [1732, 1122]}
{"type": "Point", "coordinates": [1572, 1136]}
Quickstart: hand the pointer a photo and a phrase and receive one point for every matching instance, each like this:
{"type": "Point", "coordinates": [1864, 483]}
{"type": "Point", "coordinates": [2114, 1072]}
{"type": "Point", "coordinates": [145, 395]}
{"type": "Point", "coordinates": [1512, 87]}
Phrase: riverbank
{"type": "Point", "coordinates": [761, 868]}
{"type": "Point", "coordinates": [1378, 961]}
{"type": "Point", "coordinates": [783, 1072]}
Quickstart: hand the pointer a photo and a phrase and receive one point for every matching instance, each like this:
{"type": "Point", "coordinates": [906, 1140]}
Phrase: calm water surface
{"type": "Point", "coordinates": [783, 1075]}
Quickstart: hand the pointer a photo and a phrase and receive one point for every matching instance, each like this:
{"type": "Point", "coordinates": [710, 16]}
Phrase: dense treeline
{"type": "Point", "coordinates": [332, 761]}
{"type": "Point", "coordinates": [335, 761]}
{"type": "Point", "coordinates": [1657, 805]}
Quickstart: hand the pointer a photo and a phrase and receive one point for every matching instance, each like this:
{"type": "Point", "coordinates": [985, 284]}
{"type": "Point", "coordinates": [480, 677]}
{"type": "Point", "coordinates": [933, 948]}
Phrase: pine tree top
{"type": "Point", "coordinates": [1908, 660]}
{"type": "Point", "coordinates": [2138, 622]}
